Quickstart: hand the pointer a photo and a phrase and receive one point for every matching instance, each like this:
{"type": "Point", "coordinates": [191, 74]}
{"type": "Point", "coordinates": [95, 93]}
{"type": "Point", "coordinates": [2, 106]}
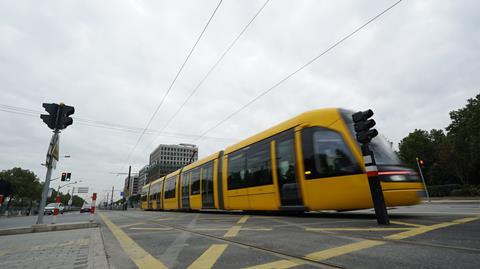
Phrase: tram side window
{"type": "Point", "coordinates": [144, 196]}
{"type": "Point", "coordinates": [259, 165]}
{"type": "Point", "coordinates": [170, 188]}
{"type": "Point", "coordinates": [326, 154]}
{"type": "Point", "coordinates": [195, 181]}
{"type": "Point", "coordinates": [236, 171]}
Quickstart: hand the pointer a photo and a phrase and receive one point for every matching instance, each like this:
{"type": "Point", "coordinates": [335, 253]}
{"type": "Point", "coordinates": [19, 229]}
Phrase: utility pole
{"type": "Point", "coordinates": [128, 190]}
{"type": "Point", "coordinates": [107, 201]}
{"type": "Point", "coordinates": [111, 201]}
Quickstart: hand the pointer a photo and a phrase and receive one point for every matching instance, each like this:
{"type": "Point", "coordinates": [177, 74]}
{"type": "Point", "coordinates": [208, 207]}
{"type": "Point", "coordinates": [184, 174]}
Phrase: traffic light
{"type": "Point", "coordinates": [363, 126]}
{"type": "Point", "coordinates": [64, 177]}
{"type": "Point", "coordinates": [64, 119]}
{"type": "Point", "coordinates": [58, 115]}
{"type": "Point", "coordinates": [51, 118]}
{"type": "Point", "coordinates": [69, 175]}
{"type": "Point", "coordinates": [422, 163]}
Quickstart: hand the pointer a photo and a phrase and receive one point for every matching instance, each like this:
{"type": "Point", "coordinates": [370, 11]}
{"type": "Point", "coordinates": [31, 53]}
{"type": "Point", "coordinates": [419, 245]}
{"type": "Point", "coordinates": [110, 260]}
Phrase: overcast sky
{"type": "Point", "coordinates": [114, 61]}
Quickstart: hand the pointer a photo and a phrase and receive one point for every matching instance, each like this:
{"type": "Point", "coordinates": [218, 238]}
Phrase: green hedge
{"type": "Point", "coordinates": [453, 190]}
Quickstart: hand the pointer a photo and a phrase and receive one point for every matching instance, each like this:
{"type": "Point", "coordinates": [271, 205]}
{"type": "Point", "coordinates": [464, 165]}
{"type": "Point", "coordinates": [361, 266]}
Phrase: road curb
{"type": "Point", "coordinates": [38, 228]}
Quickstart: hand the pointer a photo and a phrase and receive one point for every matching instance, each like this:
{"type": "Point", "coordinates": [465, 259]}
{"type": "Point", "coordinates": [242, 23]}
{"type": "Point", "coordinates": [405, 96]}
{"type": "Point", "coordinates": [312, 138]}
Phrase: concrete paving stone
{"type": "Point", "coordinates": [52, 249]}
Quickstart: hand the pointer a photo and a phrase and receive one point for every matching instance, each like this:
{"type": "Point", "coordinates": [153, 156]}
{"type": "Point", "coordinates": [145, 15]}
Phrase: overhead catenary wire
{"type": "Point", "coordinates": [297, 70]}
{"type": "Point", "coordinates": [200, 83]}
{"type": "Point", "coordinates": [105, 125]}
{"type": "Point", "coordinates": [173, 81]}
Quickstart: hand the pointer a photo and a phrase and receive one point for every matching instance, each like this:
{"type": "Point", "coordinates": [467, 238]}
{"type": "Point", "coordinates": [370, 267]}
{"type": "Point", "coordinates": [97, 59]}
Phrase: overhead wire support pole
{"type": "Point", "coordinates": [348, 36]}
{"type": "Point", "coordinates": [174, 80]}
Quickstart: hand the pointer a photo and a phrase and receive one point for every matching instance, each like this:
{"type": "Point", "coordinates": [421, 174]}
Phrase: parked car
{"type": "Point", "coordinates": [51, 207]}
{"type": "Point", "coordinates": [85, 208]}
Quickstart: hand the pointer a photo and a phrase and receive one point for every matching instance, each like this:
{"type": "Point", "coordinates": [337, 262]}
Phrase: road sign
{"type": "Point", "coordinates": [122, 194]}
{"type": "Point", "coordinates": [82, 190]}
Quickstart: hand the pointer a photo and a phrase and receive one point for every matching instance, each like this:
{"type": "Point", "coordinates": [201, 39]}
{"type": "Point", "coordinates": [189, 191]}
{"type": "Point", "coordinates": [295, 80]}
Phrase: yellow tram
{"type": "Point", "coordinates": [310, 162]}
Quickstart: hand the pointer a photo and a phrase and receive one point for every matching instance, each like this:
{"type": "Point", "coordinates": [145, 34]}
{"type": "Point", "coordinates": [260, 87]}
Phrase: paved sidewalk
{"type": "Point", "coordinates": [82, 248]}
{"type": "Point", "coordinates": [27, 221]}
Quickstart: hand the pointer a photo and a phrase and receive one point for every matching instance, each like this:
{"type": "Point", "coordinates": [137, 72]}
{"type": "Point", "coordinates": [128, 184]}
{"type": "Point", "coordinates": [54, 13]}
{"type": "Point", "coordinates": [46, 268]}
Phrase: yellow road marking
{"type": "Point", "coordinates": [209, 257]}
{"type": "Point", "coordinates": [165, 219]}
{"type": "Point", "coordinates": [357, 229]}
{"type": "Point", "coordinates": [232, 232]}
{"type": "Point", "coordinates": [338, 251]}
{"type": "Point", "coordinates": [278, 264]}
{"type": "Point", "coordinates": [151, 229]}
{"type": "Point", "coordinates": [243, 219]}
{"type": "Point", "coordinates": [228, 229]}
{"type": "Point", "coordinates": [421, 230]}
{"type": "Point", "coordinates": [406, 223]}
{"type": "Point", "coordinates": [130, 225]}
{"type": "Point", "coordinates": [137, 254]}
{"type": "Point", "coordinates": [466, 220]}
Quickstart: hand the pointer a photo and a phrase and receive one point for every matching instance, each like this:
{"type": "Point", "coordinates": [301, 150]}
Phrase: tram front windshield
{"type": "Point", "coordinates": [382, 149]}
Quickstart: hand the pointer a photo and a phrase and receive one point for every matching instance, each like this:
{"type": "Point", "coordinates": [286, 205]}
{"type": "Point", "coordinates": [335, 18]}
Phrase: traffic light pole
{"type": "Point", "coordinates": [423, 180]}
{"type": "Point", "coordinates": [49, 165]}
{"type": "Point", "coordinates": [375, 186]}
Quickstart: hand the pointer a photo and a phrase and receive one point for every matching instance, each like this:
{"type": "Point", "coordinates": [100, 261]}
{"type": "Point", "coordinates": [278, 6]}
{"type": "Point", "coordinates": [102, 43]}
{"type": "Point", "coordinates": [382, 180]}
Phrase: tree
{"type": "Point", "coordinates": [464, 134]}
{"type": "Point", "coordinates": [25, 185]}
{"type": "Point", "coordinates": [433, 148]}
{"type": "Point", "coordinates": [453, 157]}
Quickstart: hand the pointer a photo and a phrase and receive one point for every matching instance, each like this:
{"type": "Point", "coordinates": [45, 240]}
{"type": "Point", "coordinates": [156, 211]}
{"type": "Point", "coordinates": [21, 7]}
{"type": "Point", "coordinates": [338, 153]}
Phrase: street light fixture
{"type": "Point", "coordinates": [59, 187]}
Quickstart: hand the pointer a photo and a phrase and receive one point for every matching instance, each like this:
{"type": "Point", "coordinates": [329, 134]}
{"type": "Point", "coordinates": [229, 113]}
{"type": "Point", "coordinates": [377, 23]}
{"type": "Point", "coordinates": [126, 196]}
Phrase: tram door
{"type": "Point", "coordinates": [185, 190]}
{"type": "Point", "coordinates": [290, 194]}
{"type": "Point", "coordinates": [207, 186]}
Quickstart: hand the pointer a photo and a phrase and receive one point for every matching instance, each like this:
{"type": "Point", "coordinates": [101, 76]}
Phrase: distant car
{"type": "Point", "coordinates": [85, 208]}
{"type": "Point", "coordinates": [49, 209]}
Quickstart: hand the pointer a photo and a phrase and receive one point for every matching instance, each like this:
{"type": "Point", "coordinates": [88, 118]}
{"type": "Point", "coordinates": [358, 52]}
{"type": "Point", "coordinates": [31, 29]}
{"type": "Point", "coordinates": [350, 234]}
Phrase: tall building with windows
{"type": "Point", "coordinates": [168, 158]}
{"type": "Point", "coordinates": [142, 177]}
{"type": "Point", "coordinates": [131, 186]}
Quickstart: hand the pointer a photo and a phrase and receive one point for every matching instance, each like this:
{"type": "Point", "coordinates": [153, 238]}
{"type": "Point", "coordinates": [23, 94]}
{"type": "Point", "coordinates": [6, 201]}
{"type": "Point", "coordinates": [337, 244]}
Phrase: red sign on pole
{"type": "Point", "coordinates": [92, 208]}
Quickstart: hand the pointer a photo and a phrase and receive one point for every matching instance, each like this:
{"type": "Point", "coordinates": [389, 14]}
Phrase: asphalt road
{"type": "Point", "coordinates": [436, 235]}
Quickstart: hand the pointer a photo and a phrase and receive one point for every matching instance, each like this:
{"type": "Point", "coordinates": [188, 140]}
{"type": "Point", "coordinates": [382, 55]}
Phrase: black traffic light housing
{"type": "Point", "coordinates": [51, 118]}
{"type": "Point", "coordinates": [64, 119]}
{"type": "Point", "coordinates": [363, 125]}
{"type": "Point", "coordinates": [58, 116]}
{"type": "Point", "coordinates": [66, 176]}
